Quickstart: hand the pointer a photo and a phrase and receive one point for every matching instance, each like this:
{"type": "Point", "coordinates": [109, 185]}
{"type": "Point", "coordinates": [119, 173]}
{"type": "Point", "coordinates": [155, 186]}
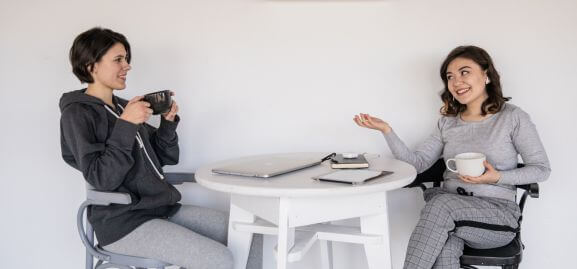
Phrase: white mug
{"type": "Point", "coordinates": [468, 164]}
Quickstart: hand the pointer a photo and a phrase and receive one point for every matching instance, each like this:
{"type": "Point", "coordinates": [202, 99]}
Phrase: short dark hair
{"type": "Point", "coordinates": [494, 102]}
{"type": "Point", "coordinates": [89, 47]}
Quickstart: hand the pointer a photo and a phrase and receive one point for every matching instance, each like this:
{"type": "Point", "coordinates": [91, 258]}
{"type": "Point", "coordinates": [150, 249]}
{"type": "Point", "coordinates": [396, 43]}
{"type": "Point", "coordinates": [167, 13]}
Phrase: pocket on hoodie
{"type": "Point", "coordinates": [153, 193]}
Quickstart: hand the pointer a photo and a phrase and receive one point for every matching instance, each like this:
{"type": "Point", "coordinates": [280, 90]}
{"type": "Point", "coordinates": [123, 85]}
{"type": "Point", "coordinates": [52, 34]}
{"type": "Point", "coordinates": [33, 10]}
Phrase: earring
{"type": "Point", "coordinates": [487, 81]}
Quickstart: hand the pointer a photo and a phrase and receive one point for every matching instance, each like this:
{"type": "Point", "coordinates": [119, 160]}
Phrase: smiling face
{"type": "Point", "coordinates": [466, 81]}
{"type": "Point", "coordinates": [112, 68]}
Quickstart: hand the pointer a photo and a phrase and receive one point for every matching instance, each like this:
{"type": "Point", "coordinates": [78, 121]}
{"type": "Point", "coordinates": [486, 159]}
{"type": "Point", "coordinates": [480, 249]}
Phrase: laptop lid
{"type": "Point", "coordinates": [266, 167]}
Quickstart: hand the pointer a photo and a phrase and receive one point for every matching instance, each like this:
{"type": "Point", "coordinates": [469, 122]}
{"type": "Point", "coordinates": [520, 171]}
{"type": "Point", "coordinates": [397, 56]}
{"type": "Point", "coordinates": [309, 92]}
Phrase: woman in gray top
{"type": "Point", "coordinates": [475, 118]}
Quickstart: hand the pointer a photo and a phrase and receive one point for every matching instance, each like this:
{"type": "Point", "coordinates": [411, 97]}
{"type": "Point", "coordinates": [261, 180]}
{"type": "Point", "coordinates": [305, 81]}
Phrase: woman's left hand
{"type": "Point", "coordinates": [490, 176]}
{"type": "Point", "coordinates": [171, 114]}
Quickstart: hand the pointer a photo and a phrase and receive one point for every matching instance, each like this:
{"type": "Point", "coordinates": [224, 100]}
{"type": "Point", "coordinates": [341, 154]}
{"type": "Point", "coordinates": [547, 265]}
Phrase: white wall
{"type": "Point", "coordinates": [257, 76]}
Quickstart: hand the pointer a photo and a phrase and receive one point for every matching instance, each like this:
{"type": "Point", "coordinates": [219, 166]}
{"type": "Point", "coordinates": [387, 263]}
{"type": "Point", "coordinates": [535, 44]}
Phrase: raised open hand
{"type": "Point", "coordinates": [367, 121]}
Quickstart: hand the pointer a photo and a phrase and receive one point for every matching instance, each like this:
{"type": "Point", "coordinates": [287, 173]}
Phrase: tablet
{"type": "Point", "coordinates": [353, 177]}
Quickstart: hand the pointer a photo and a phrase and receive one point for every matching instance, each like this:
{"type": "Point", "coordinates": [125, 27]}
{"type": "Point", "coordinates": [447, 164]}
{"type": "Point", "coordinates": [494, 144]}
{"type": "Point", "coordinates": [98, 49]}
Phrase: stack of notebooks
{"type": "Point", "coordinates": [340, 162]}
{"type": "Point", "coordinates": [354, 176]}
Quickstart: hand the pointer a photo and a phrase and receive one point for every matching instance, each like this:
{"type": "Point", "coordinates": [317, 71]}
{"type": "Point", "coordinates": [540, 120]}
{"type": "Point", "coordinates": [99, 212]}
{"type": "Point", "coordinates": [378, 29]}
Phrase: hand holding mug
{"type": "Point", "coordinates": [171, 114]}
{"type": "Point", "coordinates": [367, 121]}
{"type": "Point", "coordinates": [490, 176]}
{"type": "Point", "coordinates": [473, 167]}
{"type": "Point", "coordinates": [136, 111]}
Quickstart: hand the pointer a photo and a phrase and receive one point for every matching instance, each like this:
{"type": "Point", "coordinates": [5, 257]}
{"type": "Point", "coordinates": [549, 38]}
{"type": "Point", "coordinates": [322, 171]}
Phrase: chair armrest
{"type": "Point", "coordinates": [532, 189]}
{"type": "Point", "coordinates": [179, 178]}
{"type": "Point", "coordinates": [95, 197]}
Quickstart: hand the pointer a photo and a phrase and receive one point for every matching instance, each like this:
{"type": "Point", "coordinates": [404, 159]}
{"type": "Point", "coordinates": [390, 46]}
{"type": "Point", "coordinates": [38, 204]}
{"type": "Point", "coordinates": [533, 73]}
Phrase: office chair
{"type": "Point", "coordinates": [509, 256]}
{"type": "Point", "coordinates": [106, 259]}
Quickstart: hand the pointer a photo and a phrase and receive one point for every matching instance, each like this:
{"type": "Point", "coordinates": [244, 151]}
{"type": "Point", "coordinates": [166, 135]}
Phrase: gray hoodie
{"type": "Point", "coordinates": [119, 156]}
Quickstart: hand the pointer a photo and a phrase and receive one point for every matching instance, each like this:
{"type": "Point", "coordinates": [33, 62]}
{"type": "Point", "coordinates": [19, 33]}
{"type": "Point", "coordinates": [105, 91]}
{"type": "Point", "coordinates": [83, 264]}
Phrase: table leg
{"type": "Point", "coordinates": [285, 235]}
{"type": "Point", "coordinates": [326, 254]}
{"type": "Point", "coordinates": [378, 255]}
{"type": "Point", "coordinates": [239, 242]}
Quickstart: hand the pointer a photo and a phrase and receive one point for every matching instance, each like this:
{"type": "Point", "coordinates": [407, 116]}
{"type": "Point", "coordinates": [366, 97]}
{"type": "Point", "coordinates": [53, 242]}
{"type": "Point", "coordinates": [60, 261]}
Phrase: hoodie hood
{"type": "Point", "coordinates": [78, 96]}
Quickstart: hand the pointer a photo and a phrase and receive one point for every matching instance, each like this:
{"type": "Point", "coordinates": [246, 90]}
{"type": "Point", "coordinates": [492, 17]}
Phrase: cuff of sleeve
{"type": "Point", "coordinates": [167, 129]}
{"type": "Point", "coordinates": [123, 134]}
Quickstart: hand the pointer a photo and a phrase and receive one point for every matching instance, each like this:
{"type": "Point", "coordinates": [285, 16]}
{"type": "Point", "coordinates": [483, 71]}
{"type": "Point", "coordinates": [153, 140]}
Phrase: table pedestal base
{"type": "Point", "coordinates": [300, 222]}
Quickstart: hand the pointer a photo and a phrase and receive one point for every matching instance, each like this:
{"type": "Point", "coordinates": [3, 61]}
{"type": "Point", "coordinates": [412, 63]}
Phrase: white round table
{"type": "Point", "coordinates": [296, 208]}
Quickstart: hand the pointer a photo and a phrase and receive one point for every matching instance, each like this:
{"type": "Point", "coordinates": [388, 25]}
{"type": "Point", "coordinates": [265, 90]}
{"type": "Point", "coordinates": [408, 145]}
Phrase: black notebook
{"type": "Point", "coordinates": [338, 161]}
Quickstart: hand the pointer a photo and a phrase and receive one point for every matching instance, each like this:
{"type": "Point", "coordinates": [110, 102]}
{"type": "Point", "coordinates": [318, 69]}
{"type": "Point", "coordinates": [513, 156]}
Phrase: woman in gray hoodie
{"type": "Point", "coordinates": [108, 140]}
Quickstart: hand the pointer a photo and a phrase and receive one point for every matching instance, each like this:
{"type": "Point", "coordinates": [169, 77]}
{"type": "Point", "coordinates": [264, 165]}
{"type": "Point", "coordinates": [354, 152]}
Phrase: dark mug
{"type": "Point", "coordinates": [160, 102]}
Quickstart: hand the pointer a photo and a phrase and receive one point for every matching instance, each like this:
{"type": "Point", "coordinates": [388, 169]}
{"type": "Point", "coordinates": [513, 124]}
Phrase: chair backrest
{"type": "Point", "coordinates": [86, 233]}
{"type": "Point", "coordinates": [433, 174]}
{"type": "Point", "coordinates": [85, 230]}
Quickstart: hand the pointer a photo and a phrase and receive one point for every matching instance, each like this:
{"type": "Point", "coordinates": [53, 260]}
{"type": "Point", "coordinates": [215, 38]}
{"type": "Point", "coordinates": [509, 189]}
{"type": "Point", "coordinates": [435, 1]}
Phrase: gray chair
{"type": "Point", "coordinates": [106, 259]}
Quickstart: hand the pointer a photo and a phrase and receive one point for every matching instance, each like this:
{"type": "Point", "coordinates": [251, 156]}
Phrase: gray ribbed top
{"type": "Point", "coordinates": [501, 137]}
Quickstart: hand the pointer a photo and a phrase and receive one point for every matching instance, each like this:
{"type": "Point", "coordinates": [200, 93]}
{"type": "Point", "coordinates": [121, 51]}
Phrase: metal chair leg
{"type": "Point", "coordinates": [89, 257]}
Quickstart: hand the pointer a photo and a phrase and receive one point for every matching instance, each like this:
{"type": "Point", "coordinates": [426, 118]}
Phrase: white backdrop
{"type": "Point", "coordinates": [258, 76]}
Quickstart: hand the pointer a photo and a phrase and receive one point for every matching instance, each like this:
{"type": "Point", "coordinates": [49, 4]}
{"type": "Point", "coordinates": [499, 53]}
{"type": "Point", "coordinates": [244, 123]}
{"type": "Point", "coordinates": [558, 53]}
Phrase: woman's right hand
{"type": "Point", "coordinates": [367, 121]}
{"type": "Point", "coordinates": [136, 111]}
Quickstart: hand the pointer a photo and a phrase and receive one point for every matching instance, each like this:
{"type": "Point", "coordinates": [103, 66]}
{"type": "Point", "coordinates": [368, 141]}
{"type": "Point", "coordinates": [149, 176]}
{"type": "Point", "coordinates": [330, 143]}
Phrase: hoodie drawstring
{"type": "Point", "coordinates": [140, 141]}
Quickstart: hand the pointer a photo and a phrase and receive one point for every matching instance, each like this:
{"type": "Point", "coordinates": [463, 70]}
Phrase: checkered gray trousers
{"type": "Point", "coordinates": [437, 243]}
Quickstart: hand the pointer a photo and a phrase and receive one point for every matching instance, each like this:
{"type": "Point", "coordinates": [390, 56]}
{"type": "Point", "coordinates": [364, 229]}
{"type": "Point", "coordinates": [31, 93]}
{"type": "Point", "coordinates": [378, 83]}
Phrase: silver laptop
{"type": "Point", "coordinates": [266, 167]}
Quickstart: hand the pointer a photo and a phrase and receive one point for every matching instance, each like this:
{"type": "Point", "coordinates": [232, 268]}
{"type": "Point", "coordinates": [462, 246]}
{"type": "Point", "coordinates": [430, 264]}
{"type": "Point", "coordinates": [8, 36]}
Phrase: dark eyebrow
{"type": "Point", "coordinates": [459, 69]}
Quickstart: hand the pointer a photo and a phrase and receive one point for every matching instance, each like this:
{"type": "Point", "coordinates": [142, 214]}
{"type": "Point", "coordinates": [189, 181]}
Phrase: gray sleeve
{"type": "Point", "coordinates": [528, 144]}
{"type": "Point", "coordinates": [425, 155]}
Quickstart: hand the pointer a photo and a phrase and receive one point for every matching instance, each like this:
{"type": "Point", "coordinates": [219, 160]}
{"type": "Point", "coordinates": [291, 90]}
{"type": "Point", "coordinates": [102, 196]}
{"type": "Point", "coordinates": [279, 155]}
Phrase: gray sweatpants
{"type": "Point", "coordinates": [436, 243]}
{"type": "Point", "coordinates": [194, 238]}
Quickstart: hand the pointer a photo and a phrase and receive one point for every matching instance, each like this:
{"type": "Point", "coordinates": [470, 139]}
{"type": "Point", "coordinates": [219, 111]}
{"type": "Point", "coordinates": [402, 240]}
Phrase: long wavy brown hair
{"type": "Point", "coordinates": [494, 103]}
